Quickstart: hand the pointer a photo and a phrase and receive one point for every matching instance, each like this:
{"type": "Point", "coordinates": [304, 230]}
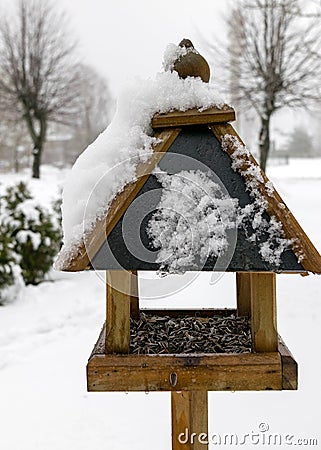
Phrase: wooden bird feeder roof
{"type": "Point", "coordinates": [198, 134]}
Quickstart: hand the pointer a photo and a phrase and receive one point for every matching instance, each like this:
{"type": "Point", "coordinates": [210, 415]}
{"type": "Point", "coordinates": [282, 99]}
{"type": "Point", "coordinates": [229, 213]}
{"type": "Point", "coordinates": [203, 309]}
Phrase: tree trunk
{"type": "Point", "coordinates": [264, 144]}
{"type": "Point", "coordinates": [16, 158]}
{"type": "Point", "coordinates": [36, 161]}
{"type": "Point", "coordinates": [39, 141]}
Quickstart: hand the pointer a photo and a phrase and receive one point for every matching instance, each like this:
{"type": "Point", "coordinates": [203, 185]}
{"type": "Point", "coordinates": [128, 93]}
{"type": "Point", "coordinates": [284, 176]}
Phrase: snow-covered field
{"type": "Point", "coordinates": [47, 336]}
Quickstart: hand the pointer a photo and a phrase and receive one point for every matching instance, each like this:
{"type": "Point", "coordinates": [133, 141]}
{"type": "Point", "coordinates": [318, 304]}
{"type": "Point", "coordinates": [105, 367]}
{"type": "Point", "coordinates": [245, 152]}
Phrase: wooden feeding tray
{"type": "Point", "coordinates": [190, 371]}
{"type": "Point", "coordinates": [214, 365]}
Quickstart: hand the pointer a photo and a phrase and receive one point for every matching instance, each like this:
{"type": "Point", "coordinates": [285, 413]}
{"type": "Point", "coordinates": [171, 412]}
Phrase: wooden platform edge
{"type": "Point", "coordinates": [289, 368]}
{"type": "Point", "coordinates": [194, 117]}
{"type": "Point", "coordinates": [204, 312]}
{"type": "Point", "coordinates": [99, 348]}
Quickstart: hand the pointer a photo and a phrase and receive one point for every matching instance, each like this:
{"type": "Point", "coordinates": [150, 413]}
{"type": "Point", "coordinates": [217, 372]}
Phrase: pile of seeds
{"type": "Point", "coordinates": [152, 334]}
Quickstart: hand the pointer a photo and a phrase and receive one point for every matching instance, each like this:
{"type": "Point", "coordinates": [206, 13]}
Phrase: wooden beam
{"type": "Point", "coordinates": [101, 230]}
{"type": "Point", "coordinates": [134, 295]}
{"type": "Point", "coordinates": [243, 293]}
{"type": "Point", "coordinates": [189, 420]}
{"type": "Point", "coordinates": [302, 246]}
{"type": "Point", "coordinates": [263, 312]}
{"type": "Point", "coordinates": [118, 311]}
{"type": "Point", "coordinates": [193, 117]}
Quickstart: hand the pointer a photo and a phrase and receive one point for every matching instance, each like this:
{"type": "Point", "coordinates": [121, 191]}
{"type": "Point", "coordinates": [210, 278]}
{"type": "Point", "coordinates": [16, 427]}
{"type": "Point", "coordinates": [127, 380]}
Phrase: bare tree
{"type": "Point", "coordinates": [38, 78]}
{"type": "Point", "coordinates": [276, 61]}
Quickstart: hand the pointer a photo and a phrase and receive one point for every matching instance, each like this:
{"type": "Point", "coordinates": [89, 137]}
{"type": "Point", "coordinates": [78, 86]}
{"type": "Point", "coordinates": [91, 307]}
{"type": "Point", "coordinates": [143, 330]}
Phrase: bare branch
{"type": "Point", "coordinates": [273, 58]}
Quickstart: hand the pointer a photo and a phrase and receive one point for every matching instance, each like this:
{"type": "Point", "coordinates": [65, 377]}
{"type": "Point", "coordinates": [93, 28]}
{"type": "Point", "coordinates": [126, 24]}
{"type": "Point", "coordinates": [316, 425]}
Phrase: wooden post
{"type": "Point", "coordinates": [189, 420]}
{"type": "Point", "coordinates": [118, 301]}
{"type": "Point", "coordinates": [263, 312]}
{"type": "Point", "coordinates": [243, 293]}
{"type": "Point", "coordinates": [134, 296]}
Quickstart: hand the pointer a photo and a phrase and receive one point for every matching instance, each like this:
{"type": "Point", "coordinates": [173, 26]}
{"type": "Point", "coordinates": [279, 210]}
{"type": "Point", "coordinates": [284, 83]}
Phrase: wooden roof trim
{"type": "Point", "coordinates": [302, 247]}
{"type": "Point", "coordinates": [194, 117]}
{"type": "Point", "coordinates": [88, 248]}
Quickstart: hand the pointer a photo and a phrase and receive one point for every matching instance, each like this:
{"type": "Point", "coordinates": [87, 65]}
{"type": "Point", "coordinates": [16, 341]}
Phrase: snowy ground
{"type": "Point", "coordinates": [47, 336]}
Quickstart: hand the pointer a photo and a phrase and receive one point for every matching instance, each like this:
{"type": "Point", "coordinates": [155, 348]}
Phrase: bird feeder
{"type": "Point", "coordinates": [208, 138]}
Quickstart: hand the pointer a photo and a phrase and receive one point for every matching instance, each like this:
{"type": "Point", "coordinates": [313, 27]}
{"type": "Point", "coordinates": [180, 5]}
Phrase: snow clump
{"type": "Point", "coordinates": [191, 222]}
{"type": "Point", "coordinates": [275, 242]}
{"type": "Point", "coordinates": [173, 53]}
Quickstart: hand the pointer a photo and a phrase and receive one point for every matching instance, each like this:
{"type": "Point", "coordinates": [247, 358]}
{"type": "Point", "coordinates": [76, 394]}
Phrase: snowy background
{"type": "Point", "coordinates": [46, 338]}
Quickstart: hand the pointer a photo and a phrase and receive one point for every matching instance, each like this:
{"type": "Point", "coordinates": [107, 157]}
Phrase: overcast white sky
{"type": "Point", "coordinates": [125, 38]}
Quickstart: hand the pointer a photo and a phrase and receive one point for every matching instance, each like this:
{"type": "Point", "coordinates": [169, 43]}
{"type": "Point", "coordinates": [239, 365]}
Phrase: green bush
{"type": "Point", "coordinates": [33, 232]}
{"type": "Point", "coordinates": [10, 272]}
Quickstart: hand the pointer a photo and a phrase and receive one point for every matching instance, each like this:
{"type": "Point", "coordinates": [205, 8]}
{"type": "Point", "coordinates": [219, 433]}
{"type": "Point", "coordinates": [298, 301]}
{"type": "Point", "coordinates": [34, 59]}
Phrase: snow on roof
{"type": "Point", "coordinates": [191, 220]}
{"type": "Point", "coordinates": [121, 147]}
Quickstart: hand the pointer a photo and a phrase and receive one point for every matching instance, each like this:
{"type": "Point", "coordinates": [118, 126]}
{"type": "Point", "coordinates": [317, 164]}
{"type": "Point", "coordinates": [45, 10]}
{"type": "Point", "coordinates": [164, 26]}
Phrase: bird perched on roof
{"type": "Point", "coordinates": [190, 63]}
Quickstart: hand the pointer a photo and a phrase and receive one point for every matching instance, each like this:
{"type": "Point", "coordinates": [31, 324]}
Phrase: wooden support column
{"type": "Point", "coordinates": [263, 312]}
{"type": "Point", "coordinates": [118, 299]}
{"type": "Point", "coordinates": [189, 420]}
{"type": "Point", "coordinates": [134, 296]}
{"type": "Point", "coordinates": [243, 293]}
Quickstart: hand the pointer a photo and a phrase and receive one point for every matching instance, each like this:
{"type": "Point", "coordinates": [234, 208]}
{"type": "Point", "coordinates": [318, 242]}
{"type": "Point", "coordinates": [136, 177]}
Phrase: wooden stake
{"type": "Point", "coordinates": [118, 311]}
{"type": "Point", "coordinates": [243, 293]}
{"type": "Point", "coordinates": [189, 420]}
{"type": "Point", "coordinates": [263, 312]}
